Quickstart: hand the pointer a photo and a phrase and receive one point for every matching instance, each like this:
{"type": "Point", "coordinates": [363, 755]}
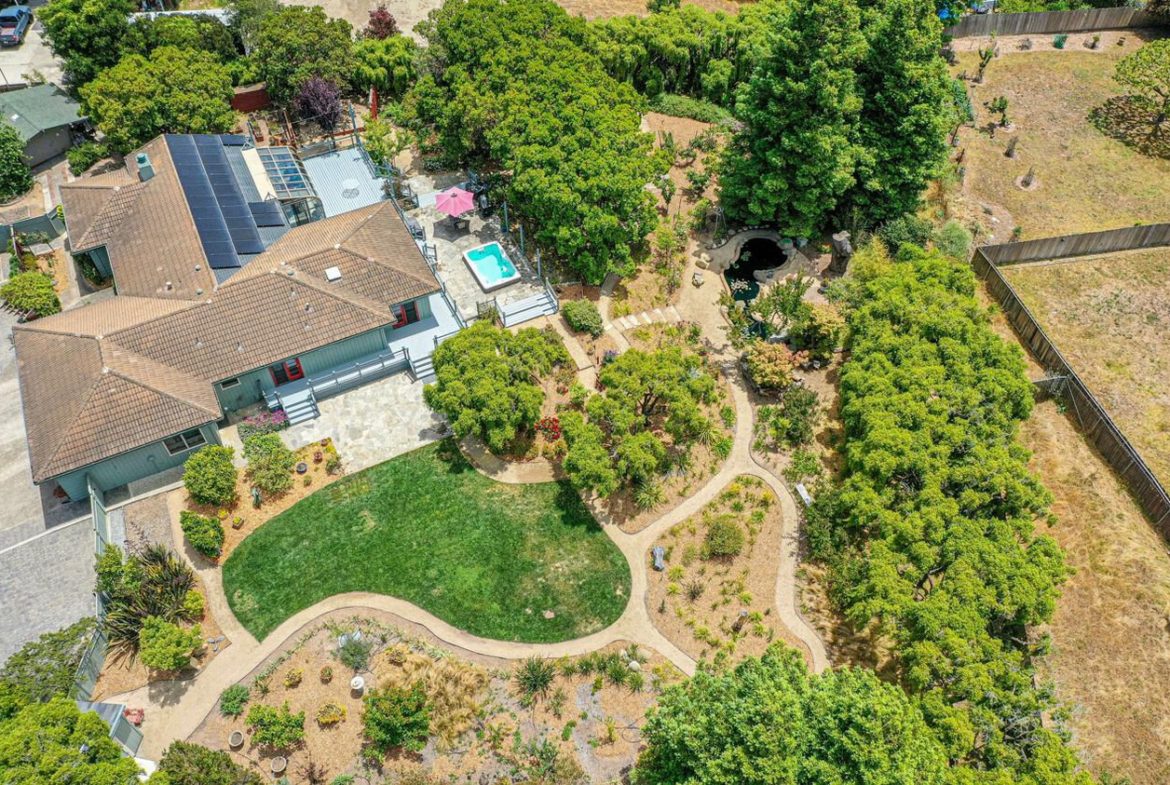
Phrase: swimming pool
{"type": "Point", "coordinates": [490, 266]}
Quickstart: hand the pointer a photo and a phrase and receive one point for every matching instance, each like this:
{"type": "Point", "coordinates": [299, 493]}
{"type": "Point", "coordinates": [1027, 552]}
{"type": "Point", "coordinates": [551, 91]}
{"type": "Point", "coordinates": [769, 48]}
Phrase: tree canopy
{"type": "Point", "coordinates": [1145, 75]}
{"type": "Point", "coordinates": [930, 535]}
{"type": "Point", "coordinates": [172, 91]}
{"type": "Point", "coordinates": [387, 64]}
{"type": "Point", "coordinates": [770, 721]}
{"type": "Point", "coordinates": [487, 380]}
{"type": "Point", "coordinates": [295, 43]}
{"type": "Point", "coordinates": [54, 742]}
{"type": "Point", "coordinates": [86, 34]}
{"type": "Point", "coordinates": [197, 31]}
{"type": "Point", "coordinates": [184, 763]}
{"type": "Point", "coordinates": [513, 85]}
{"type": "Point", "coordinates": [15, 177]}
{"type": "Point", "coordinates": [46, 666]}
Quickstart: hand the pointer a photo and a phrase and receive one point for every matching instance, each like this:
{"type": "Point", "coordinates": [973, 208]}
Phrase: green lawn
{"type": "Point", "coordinates": [487, 557]}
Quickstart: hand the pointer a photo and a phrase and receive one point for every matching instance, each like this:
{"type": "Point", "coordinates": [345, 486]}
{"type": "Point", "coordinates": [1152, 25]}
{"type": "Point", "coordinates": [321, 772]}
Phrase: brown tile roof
{"type": "Point", "coordinates": [88, 400]}
{"type": "Point", "coordinates": [106, 378]}
{"type": "Point", "coordinates": [147, 229]}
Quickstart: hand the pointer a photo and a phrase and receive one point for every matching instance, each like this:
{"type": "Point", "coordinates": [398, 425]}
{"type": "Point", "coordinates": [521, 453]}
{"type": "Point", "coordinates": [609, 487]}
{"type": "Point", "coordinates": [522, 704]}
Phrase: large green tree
{"type": "Point", "coordinates": [199, 31]}
{"type": "Point", "coordinates": [15, 177]}
{"type": "Point", "coordinates": [86, 34]}
{"type": "Point", "coordinates": [53, 742]}
{"type": "Point", "coordinates": [46, 666]}
{"type": "Point", "coordinates": [930, 537]}
{"type": "Point", "coordinates": [296, 43]}
{"type": "Point", "coordinates": [770, 721]}
{"type": "Point", "coordinates": [488, 380]}
{"type": "Point", "coordinates": [1145, 75]}
{"type": "Point", "coordinates": [511, 85]}
{"type": "Point", "coordinates": [797, 151]}
{"type": "Point", "coordinates": [172, 91]}
{"type": "Point", "coordinates": [387, 64]}
{"type": "Point", "coordinates": [904, 116]}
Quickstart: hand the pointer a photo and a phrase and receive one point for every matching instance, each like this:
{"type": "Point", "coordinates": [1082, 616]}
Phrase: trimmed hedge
{"type": "Point", "coordinates": [210, 475]}
{"type": "Point", "coordinates": [583, 316]}
{"type": "Point", "coordinates": [203, 533]}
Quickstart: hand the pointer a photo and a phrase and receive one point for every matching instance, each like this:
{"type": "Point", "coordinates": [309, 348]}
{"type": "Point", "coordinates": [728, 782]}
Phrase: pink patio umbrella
{"type": "Point", "coordinates": [455, 201]}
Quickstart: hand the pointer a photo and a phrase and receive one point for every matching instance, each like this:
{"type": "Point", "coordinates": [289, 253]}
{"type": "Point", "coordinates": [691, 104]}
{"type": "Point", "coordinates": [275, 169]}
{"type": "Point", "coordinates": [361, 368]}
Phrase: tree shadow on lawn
{"type": "Point", "coordinates": [1130, 121]}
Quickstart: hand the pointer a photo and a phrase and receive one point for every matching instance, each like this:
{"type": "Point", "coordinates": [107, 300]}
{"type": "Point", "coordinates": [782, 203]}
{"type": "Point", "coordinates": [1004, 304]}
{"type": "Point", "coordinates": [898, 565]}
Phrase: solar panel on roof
{"type": "Point", "coordinates": [267, 213]}
{"type": "Point", "coordinates": [213, 231]}
{"type": "Point", "coordinates": [228, 195]}
{"type": "Point", "coordinates": [233, 140]}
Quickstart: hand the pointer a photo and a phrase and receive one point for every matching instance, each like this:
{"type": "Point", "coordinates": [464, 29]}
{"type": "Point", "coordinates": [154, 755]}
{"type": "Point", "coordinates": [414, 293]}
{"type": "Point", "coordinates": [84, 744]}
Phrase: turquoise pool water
{"type": "Point", "coordinates": [491, 265]}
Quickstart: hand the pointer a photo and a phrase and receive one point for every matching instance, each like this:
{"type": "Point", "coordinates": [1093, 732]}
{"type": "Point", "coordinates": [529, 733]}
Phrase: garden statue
{"type": "Point", "coordinates": [842, 253]}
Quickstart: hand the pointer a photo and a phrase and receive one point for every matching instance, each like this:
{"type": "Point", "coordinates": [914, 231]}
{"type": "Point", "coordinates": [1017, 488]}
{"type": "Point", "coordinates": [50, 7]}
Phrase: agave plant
{"type": "Point", "coordinates": [534, 677]}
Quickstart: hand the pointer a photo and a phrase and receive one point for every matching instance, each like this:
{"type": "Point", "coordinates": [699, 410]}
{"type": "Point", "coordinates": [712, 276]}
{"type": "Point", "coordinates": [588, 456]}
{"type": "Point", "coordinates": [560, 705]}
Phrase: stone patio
{"type": "Point", "coordinates": [372, 423]}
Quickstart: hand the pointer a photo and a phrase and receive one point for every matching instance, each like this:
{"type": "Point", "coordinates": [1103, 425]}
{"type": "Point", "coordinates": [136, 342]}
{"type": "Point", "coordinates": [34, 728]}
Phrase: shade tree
{"type": "Point", "coordinates": [1145, 75]}
{"type": "Point", "coordinates": [293, 44]}
{"type": "Point", "coordinates": [86, 34]}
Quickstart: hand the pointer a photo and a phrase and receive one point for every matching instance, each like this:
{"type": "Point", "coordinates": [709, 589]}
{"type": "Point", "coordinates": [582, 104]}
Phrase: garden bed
{"type": "Point", "coordinates": [717, 607]}
{"type": "Point", "coordinates": [511, 562]}
{"type": "Point", "coordinates": [480, 723]}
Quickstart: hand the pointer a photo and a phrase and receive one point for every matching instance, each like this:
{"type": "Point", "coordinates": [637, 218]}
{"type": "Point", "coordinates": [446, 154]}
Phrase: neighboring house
{"type": "Point", "coordinates": [45, 118]}
{"type": "Point", "coordinates": [220, 306]}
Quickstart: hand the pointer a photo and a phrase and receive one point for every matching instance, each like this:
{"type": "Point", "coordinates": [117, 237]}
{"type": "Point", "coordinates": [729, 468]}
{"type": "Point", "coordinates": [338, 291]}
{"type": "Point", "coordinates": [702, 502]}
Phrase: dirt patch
{"type": "Point", "coordinates": [1109, 316]}
{"type": "Point", "coordinates": [1110, 657]}
{"type": "Point", "coordinates": [722, 608]}
{"type": "Point", "coordinates": [487, 726]}
{"type": "Point", "coordinates": [1090, 181]}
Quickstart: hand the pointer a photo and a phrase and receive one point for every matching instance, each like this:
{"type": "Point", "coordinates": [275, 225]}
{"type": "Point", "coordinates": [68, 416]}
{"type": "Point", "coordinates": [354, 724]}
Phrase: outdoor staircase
{"type": "Point", "coordinates": [422, 369]}
{"type": "Point", "coordinates": [669, 315]}
{"type": "Point", "coordinates": [297, 401]}
{"type": "Point", "coordinates": [543, 304]}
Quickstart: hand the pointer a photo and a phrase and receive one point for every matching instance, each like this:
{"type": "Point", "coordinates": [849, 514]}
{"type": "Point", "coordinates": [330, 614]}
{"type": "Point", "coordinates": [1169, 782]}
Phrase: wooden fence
{"type": "Point", "coordinates": [1071, 245]}
{"type": "Point", "coordinates": [1042, 22]}
{"type": "Point", "coordinates": [1064, 383]}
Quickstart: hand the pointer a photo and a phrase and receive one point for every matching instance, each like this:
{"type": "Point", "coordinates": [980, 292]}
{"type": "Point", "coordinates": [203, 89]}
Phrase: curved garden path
{"type": "Point", "coordinates": [175, 709]}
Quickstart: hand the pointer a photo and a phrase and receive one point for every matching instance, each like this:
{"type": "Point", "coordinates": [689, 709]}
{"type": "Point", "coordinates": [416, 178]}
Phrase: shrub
{"type": "Point", "coordinates": [194, 605]}
{"type": "Point", "coordinates": [205, 534]}
{"type": "Point", "coordinates": [265, 422]}
{"type": "Point", "coordinates": [165, 646]}
{"type": "Point", "coordinates": [191, 764]}
{"type": "Point", "coordinates": [330, 714]}
{"type": "Point", "coordinates": [83, 156]}
{"type": "Point", "coordinates": [818, 331]}
{"type": "Point", "coordinates": [279, 729]}
{"type": "Point", "coordinates": [15, 177]}
{"type": "Point", "coordinates": [151, 582]}
{"type": "Point", "coordinates": [355, 653]}
{"type": "Point", "coordinates": [270, 462]}
{"type": "Point", "coordinates": [31, 292]}
{"type": "Point", "coordinates": [1060, 40]}
{"type": "Point", "coordinates": [210, 476]}
{"type": "Point", "coordinates": [294, 678]}
{"type": "Point", "coordinates": [232, 700]}
{"type": "Point", "coordinates": [770, 365]}
{"type": "Point", "coordinates": [954, 240]}
{"type": "Point", "coordinates": [724, 538]}
{"type": "Point", "coordinates": [396, 717]}
{"type": "Point", "coordinates": [684, 106]}
{"type": "Point", "coordinates": [790, 422]}
{"type": "Point", "coordinates": [583, 316]}
{"type": "Point", "coordinates": [326, 674]}
{"type": "Point", "coordinates": [534, 677]}
{"type": "Point", "coordinates": [908, 228]}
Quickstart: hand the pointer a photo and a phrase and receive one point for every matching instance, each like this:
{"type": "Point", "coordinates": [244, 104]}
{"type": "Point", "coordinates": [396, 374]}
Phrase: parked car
{"type": "Point", "coordinates": [14, 24]}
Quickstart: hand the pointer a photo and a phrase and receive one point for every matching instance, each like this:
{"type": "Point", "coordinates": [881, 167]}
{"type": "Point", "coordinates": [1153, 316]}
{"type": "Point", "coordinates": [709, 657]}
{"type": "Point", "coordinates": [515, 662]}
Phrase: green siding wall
{"type": "Point", "coordinates": [250, 390]}
{"type": "Point", "coordinates": [329, 357]}
{"type": "Point", "coordinates": [101, 260]}
{"type": "Point", "coordinates": [130, 466]}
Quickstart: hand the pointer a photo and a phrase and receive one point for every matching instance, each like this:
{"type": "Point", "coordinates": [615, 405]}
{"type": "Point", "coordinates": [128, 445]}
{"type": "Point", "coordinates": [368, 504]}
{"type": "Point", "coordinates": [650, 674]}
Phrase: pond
{"type": "Point", "coordinates": [758, 253]}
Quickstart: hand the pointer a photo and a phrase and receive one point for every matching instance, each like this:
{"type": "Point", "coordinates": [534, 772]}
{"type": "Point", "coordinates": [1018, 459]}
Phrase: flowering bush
{"type": "Point", "coordinates": [550, 428]}
{"type": "Point", "coordinates": [265, 422]}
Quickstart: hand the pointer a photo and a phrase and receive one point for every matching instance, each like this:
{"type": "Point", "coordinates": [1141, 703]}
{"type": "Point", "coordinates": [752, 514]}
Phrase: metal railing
{"type": "Point", "coordinates": [90, 666]}
{"type": "Point", "coordinates": [357, 373]}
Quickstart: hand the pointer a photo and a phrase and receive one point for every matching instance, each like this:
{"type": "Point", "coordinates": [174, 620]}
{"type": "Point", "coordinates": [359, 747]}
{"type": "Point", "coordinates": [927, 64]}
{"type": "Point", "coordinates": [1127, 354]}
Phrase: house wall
{"type": "Point", "coordinates": [46, 145]}
{"type": "Point", "coordinates": [129, 466]}
{"type": "Point", "coordinates": [101, 260]}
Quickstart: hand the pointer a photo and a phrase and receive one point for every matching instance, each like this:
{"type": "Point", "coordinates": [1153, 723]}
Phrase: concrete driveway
{"type": "Point", "coordinates": [23, 63]}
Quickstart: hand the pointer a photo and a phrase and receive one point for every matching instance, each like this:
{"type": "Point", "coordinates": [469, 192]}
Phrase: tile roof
{"type": "Point", "coordinates": [106, 378]}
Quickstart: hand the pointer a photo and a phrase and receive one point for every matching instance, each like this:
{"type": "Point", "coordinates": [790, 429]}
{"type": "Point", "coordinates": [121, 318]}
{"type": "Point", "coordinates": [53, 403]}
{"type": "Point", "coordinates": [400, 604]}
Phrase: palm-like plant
{"type": "Point", "coordinates": [154, 582]}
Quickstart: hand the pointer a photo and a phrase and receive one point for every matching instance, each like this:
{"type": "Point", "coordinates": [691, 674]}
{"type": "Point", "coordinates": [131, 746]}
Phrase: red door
{"type": "Point", "coordinates": [283, 373]}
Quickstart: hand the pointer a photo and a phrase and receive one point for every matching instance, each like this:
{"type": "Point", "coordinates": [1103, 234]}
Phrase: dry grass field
{"type": "Point", "coordinates": [1109, 316]}
{"type": "Point", "coordinates": [1087, 181]}
{"type": "Point", "coordinates": [1110, 657]}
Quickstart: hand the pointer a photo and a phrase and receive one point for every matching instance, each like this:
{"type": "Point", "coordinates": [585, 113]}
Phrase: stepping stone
{"type": "Point", "coordinates": [645, 317]}
{"type": "Point", "coordinates": [673, 313]}
{"type": "Point", "coordinates": [658, 315]}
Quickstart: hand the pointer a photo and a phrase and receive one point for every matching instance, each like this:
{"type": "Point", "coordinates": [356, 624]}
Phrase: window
{"type": "Point", "coordinates": [227, 384]}
{"type": "Point", "coordinates": [188, 440]}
